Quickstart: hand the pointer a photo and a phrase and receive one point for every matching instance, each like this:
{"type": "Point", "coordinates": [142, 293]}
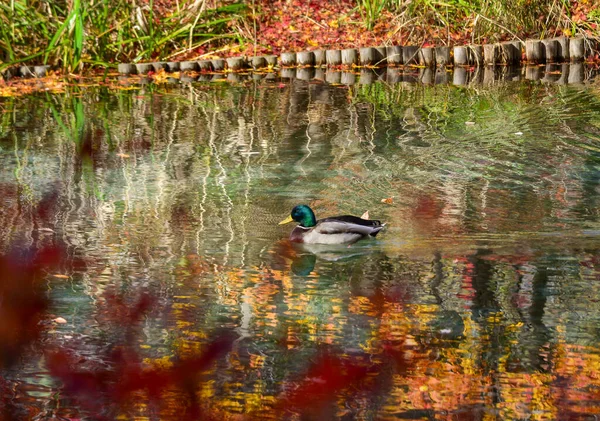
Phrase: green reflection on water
{"type": "Point", "coordinates": [486, 269]}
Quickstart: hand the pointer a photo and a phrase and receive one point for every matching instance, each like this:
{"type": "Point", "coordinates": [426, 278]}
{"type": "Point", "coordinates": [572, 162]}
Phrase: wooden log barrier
{"type": "Point", "coordinates": [535, 52]}
{"type": "Point", "coordinates": [218, 65]}
{"type": "Point", "coordinates": [551, 48]}
{"type": "Point", "coordinates": [410, 55]}
{"type": "Point", "coordinates": [188, 66]}
{"type": "Point", "coordinates": [349, 58]}
{"type": "Point", "coordinates": [427, 57]}
{"type": "Point", "coordinates": [305, 59]}
{"type": "Point", "coordinates": [271, 61]}
{"type": "Point", "coordinates": [144, 68]}
{"type": "Point", "coordinates": [333, 58]}
{"type": "Point", "coordinates": [259, 62]}
{"type": "Point", "coordinates": [319, 58]}
{"type": "Point", "coordinates": [510, 53]}
{"type": "Point", "coordinates": [348, 78]}
{"type": "Point", "coordinates": [126, 69]}
{"type": "Point", "coordinates": [442, 56]}
{"type": "Point", "coordinates": [236, 64]}
{"type": "Point", "coordinates": [563, 49]}
{"type": "Point", "coordinates": [173, 66]}
{"type": "Point", "coordinates": [491, 54]}
{"type": "Point", "coordinates": [305, 73]}
{"type": "Point", "coordinates": [382, 56]}
{"type": "Point", "coordinates": [159, 65]}
{"type": "Point", "coordinates": [370, 56]}
{"type": "Point", "coordinates": [476, 55]}
{"type": "Point", "coordinates": [394, 55]}
{"type": "Point", "coordinates": [287, 59]}
{"type": "Point", "coordinates": [577, 50]}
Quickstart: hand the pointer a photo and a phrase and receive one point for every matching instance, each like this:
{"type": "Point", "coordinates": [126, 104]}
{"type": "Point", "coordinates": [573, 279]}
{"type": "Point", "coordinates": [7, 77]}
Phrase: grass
{"type": "Point", "coordinates": [77, 34]}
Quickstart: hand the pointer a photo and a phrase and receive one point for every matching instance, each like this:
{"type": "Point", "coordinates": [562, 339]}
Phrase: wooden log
{"type": "Point", "coordinates": [258, 63]}
{"type": "Point", "coordinates": [349, 57]}
{"type": "Point", "coordinates": [159, 65]}
{"type": "Point", "coordinates": [319, 58]}
{"type": "Point", "coordinates": [319, 74]}
{"type": "Point", "coordinates": [40, 71]}
{"type": "Point", "coordinates": [205, 77]}
{"type": "Point", "coordinates": [410, 77]}
{"type": "Point", "coordinates": [257, 77]}
{"type": "Point", "coordinates": [383, 56]}
{"type": "Point", "coordinates": [305, 73]}
{"type": "Point", "coordinates": [461, 55]}
{"type": "Point", "coordinates": [460, 76]}
{"type": "Point", "coordinates": [188, 66]}
{"type": "Point", "coordinates": [348, 78]}
{"type": "Point", "coordinates": [305, 58]}
{"type": "Point", "coordinates": [367, 77]}
{"type": "Point", "coordinates": [410, 55]}
{"type": "Point", "coordinates": [217, 65]}
{"type": "Point", "coordinates": [11, 72]}
{"type": "Point", "coordinates": [215, 77]}
{"type": "Point", "coordinates": [211, 65]}
{"type": "Point", "coordinates": [271, 76]}
{"type": "Point", "coordinates": [394, 55]}
{"type": "Point", "coordinates": [441, 76]}
{"type": "Point", "coordinates": [442, 56]}
{"type": "Point", "coordinates": [370, 56]}
{"type": "Point", "coordinates": [333, 77]}
{"type": "Point", "coordinates": [287, 59]}
{"type": "Point", "coordinates": [577, 50]}
{"type": "Point", "coordinates": [491, 54]}
{"type": "Point", "coordinates": [271, 61]}
{"type": "Point", "coordinates": [576, 73]}
{"type": "Point", "coordinates": [427, 76]}
{"type": "Point", "coordinates": [533, 72]}
{"type": "Point", "coordinates": [476, 76]}
{"type": "Point", "coordinates": [510, 53]}
{"type": "Point", "coordinates": [173, 66]}
{"type": "Point", "coordinates": [551, 48]}
{"type": "Point", "coordinates": [236, 64]}
{"type": "Point", "coordinates": [288, 72]}
{"type": "Point", "coordinates": [333, 57]}
{"type": "Point", "coordinates": [535, 51]}
{"type": "Point", "coordinates": [145, 80]}
{"type": "Point", "coordinates": [143, 68]}
{"type": "Point", "coordinates": [427, 57]}
{"type": "Point", "coordinates": [126, 69]}
{"type": "Point", "coordinates": [476, 55]}
{"type": "Point", "coordinates": [563, 49]}
{"type": "Point", "coordinates": [393, 75]}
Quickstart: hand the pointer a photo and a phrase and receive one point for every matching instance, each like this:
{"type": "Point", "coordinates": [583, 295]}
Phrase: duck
{"type": "Point", "coordinates": [344, 229]}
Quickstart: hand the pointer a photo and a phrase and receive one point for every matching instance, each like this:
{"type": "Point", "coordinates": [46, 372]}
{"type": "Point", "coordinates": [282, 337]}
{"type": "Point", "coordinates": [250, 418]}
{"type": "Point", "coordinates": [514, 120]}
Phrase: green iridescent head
{"type": "Point", "coordinates": [303, 215]}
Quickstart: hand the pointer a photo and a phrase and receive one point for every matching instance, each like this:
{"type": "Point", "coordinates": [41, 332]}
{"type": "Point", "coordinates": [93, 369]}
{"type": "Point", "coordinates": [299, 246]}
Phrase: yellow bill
{"type": "Point", "coordinates": [287, 220]}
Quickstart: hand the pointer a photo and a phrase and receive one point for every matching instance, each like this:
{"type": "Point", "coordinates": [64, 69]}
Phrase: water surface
{"type": "Point", "coordinates": [484, 282]}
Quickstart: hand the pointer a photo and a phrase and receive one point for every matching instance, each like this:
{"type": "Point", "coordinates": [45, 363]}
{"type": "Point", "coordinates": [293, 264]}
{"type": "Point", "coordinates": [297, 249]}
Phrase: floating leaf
{"type": "Point", "coordinates": [60, 276]}
{"type": "Point", "coordinates": [389, 200]}
{"type": "Point", "coordinates": [60, 320]}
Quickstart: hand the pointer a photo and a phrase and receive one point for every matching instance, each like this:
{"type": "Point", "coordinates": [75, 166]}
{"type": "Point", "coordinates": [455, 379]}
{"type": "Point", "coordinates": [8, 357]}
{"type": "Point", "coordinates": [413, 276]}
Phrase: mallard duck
{"type": "Point", "coordinates": [344, 229]}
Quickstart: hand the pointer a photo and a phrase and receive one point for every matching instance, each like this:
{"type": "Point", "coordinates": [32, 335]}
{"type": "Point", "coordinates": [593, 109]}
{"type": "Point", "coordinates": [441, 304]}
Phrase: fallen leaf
{"type": "Point", "coordinates": [469, 123]}
{"type": "Point", "coordinates": [365, 215]}
{"type": "Point", "coordinates": [122, 155]}
{"type": "Point", "coordinates": [388, 200]}
{"type": "Point", "coordinates": [58, 275]}
{"type": "Point", "coordinates": [519, 133]}
{"type": "Point", "coordinates": [60, 320]}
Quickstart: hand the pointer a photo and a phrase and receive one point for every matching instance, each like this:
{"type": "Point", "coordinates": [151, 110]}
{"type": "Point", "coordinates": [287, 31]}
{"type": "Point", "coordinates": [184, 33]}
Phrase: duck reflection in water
{"type": "Point", "coordinates": [304, 257]}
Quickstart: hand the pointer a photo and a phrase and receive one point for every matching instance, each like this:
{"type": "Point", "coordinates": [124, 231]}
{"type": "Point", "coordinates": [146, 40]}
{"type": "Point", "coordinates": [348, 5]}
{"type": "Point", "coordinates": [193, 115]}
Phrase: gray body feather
{"type": "Point", "coordinates": [344, 229]}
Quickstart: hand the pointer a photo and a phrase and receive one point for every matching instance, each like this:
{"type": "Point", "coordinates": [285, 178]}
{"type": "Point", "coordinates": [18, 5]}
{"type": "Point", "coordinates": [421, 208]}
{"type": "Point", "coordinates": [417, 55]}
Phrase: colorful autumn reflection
{"type": "Point", "coordinates": [143, 274]}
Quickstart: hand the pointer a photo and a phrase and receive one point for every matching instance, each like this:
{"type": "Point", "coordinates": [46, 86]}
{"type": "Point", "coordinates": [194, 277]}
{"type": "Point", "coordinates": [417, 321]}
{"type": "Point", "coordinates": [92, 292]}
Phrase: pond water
{"type": "Point", "coordinates": [479, 300]}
